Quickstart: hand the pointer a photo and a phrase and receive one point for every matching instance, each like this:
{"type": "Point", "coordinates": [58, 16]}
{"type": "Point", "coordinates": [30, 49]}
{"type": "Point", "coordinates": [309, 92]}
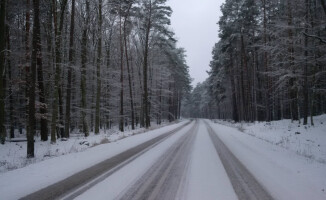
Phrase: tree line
{"type": "Point", "coordinates": [269, 63]}
{"type": "Point", "coordinates": [87, 65]}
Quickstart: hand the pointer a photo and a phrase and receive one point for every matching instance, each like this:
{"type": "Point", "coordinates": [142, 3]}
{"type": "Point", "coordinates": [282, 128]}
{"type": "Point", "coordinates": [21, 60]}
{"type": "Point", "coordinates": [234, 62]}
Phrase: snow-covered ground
{"type": "Point", "coordinates": [307, 141]}
{"type": "Point", "coordinates": [274, 155]}
{"type": "Point", "coordinates": [287, 160]}
{"type": "Point", "coordinates": [20, 182]}
{"type": "Point", "coordinates": [207, 178]}
{"type": "Point", "coordinates": [13, 154]}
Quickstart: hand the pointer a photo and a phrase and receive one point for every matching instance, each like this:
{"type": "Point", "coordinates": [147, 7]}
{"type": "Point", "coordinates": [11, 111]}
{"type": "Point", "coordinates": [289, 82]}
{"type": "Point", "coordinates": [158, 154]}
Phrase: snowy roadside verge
{"type": "Point", "coordinates": [20, 182]}
{"type": "Point", "coordinates": [305, 140]}
{"type": "Point", "coordinates": [13, 154]}
{"type": "Point", "coordinates": [284, 173]}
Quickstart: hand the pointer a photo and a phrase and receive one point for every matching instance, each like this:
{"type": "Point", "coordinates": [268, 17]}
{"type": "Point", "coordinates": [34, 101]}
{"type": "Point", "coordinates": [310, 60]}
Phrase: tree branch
{"type": "Point", "coordinates": [315, 36]}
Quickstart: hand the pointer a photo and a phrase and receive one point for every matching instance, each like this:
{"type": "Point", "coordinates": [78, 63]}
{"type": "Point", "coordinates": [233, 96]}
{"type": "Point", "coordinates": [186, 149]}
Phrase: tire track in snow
{"type": "Point", "coordinates": [164, 180]}
{"type": "Point", "coordinates": [244, 184]}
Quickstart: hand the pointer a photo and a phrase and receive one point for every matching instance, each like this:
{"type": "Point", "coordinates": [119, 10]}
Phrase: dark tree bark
{"type": "Point", "coordinates": [36, 50]}
{"type": "Point", "coordinates": [57, 87]}
{"type": "Point", "coordinates": [2, 69]}
{"type": "Point", "coordinates": [246, 82]}
{"type": "Point", "coordinates": [128, 68]}
{"type": "Point", "coordinates": [98, 69]}
{"type": "Point", "coordinates": [235, 113]}
{"type": "Point", "coordinates": [266, 78]}
{"type": "Point", "coordinates": [121, 124]}
{"type": "Point", "coordinates": [60, 129]}
{"type": "Point", "coordinates": [11, 96]}
{"type": "Point", "coordinates": [305, 87]}
{"type": "Point", "coordinates": [323, 3]}
{"type": "Point", "coordinates": [83, 71]}
{"type": "Point", "coordinates": [293, 90]}
{"type": "Point", "coordinates": [43, 106]}
{"type": "Point", "coordinates": [108, 64]}
{"type": "Point", "coordinates": [27, 57]}
{"type": "Point", "coordinates": [145, 68]}
{"type": "Point", "coordinates": [71, 62]}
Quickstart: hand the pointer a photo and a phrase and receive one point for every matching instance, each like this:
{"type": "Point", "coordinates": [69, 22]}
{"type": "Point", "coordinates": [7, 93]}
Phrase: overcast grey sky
{"type": "Point", "coordinates": [195, 25]}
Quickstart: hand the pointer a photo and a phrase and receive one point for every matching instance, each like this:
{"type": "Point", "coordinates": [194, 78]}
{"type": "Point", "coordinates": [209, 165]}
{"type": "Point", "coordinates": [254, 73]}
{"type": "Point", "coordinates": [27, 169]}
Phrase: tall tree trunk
{"type": "Point", "coordinates": [235, 111]}
{"type": "Point", "coordinates": [293, 89]}
{"type": "Point", "coordinates": [57, 76]}
{"type": "Point", "coordinates": [121, 124]}
{"type": "Point", "coordinates": [98, 69]}
{"type": "Point", "coordinates": [245, 82]}
{"type": "Point", "coordinates": [242, 90]}
{"type": "Point", "coordinates": [57, 87]}
{"type": "Point", "coordinates": [71, 63]}
{"type": "Point", "coordinates": [128, 68]}
{"type": "Point", "coordinates": [83, 71]}
{"type": "Point", "coordinates": [255, 66]}
{"type": "Point", "coordinates": [27, 58]}
{"type": "Point", "coordinates": [159, 121]}
{"type": "Point", "coordinates": [141, 114]}
{"type": "Point", "coordinates": [108, 63]}
{"type": "Point", "coordinates": [305, 86]}
{"type": "Point", "coordinates": [170, 103]}
{"type": "Point", "coordinates": [36, 50]}
{"type": "Point", "coordinates": [61, 133]}
{"type": "Point", "coordinates": [43, 106]}
{"type": "Point", "coordinates": [11, 96]}
{"type": "Point", "coordinates": [2, 70]}
{"type": "Point", "coordinates": [266, 78]}
{"type": "Point", "coordinates": [145, 69]}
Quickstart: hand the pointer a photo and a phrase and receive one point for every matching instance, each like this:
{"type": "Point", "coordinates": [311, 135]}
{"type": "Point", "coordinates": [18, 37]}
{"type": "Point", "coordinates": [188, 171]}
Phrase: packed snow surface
{"type": "Point", "coordinates": [116, 184]}
{"type": "Point", "coordinates": [207, 178]}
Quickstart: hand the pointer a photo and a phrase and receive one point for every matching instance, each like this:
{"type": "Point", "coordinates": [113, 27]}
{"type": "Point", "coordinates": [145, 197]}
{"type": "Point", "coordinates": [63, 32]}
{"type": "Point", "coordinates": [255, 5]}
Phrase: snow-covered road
{"type": "Point", "coordinates": [200, 160]}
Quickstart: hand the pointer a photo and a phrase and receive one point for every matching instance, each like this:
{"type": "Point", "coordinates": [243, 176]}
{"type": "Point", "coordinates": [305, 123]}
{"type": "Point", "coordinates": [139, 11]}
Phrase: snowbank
{"type": "Point", "coordinates": [307, 141]}
{"type": "Point", "coordinates": [13, 154]}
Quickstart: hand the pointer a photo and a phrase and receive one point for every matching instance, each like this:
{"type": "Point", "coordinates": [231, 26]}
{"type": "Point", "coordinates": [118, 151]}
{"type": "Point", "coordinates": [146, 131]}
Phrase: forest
{"type": "Point", "coordinates": [84, 66]}
{"type": "Point", "coordinates": [269, 64]}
